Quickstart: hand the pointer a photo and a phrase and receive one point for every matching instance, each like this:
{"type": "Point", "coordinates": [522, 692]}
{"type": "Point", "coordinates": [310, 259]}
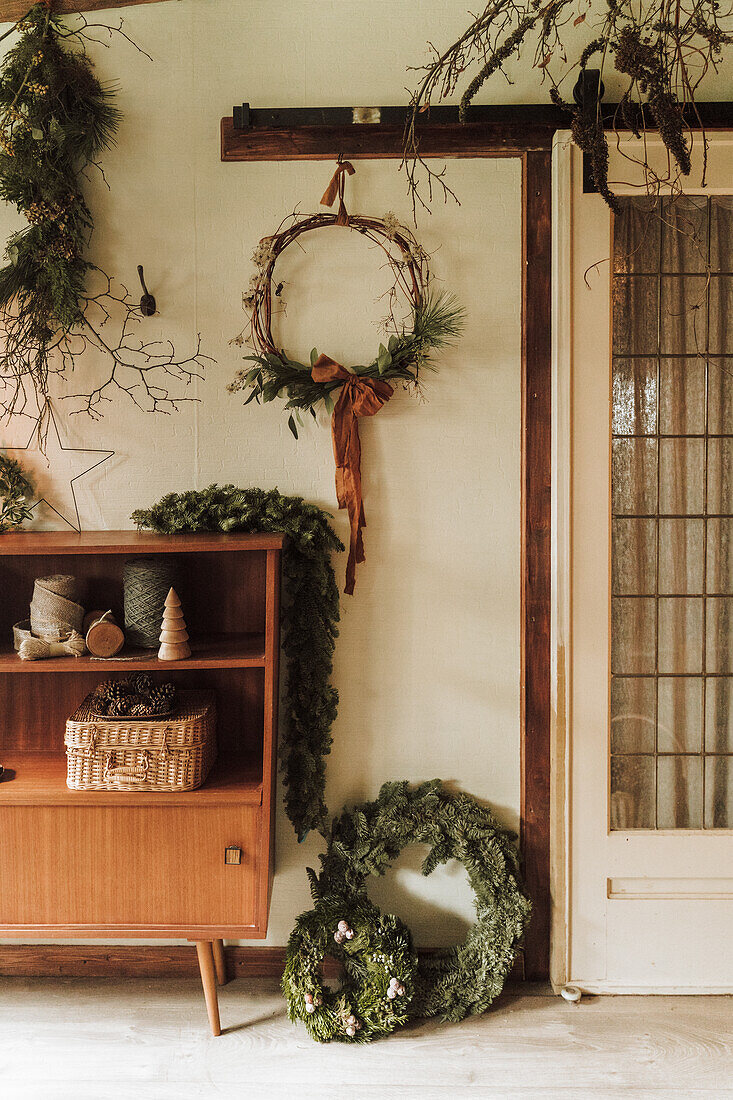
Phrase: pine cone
{"type": "Point", "coordinates": [119, 706]}
{"type": "Point", "coordinates": [140, 710]}
{"type": "Point", "coordinates": [160, 699]}
{"type": "Point", "coordinates": [111, 690]}
{"type": "Point", "coordinates": [141, 683]}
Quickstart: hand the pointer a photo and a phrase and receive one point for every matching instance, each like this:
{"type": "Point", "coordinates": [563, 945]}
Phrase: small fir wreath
{"type": "Point", "coordinates": [436, 320]}
{"type": "Point", "coordinates": [379, 968]}
{"type": "Point", "coordinates": [15, 493]}
{"type": "Point", "coordinates": [463, 980]}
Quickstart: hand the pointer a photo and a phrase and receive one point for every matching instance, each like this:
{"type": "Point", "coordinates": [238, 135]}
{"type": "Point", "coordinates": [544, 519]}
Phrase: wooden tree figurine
{"type": "Point", "coordinates": [173, 636]}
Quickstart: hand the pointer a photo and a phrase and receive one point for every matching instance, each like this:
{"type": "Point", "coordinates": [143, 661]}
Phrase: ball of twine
{"type": "Point", "coordinates": [146, 583]}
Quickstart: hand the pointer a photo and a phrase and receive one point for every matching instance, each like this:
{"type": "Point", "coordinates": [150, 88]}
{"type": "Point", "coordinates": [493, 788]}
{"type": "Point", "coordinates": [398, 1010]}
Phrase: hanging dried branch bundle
{"type": "Point", "coordinates": [56, 118]}
{"type": "Point", "coordinates": [661, 49]}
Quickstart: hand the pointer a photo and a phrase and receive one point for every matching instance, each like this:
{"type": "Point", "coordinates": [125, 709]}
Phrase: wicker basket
{"type": "Point", "coordinates": [174, 753]}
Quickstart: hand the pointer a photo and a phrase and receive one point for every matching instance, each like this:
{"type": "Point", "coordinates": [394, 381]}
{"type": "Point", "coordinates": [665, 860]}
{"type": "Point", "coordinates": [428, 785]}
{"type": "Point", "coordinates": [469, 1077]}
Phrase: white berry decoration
{"type": "Point", "coordinates": [339, 937]}
{"type": "Point", "coordinates": [351, 1032]}
{"type": "Point", "coordinates": [343, 926]}
{"type": "Point", "coordinates": [391, 993]}
{"type": "Point", "coordinates": [349, 934]}
{"type": "Point", "coordinates": [310, 1007]}
{"type": "Point", "coordinates": [308, 998]}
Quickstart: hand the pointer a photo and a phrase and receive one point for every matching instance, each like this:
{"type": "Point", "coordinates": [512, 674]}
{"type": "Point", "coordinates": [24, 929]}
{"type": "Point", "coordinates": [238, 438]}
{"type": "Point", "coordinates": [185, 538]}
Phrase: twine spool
{"type": "Point", "coordinates": [54, 608]}
{"type": "Point", "coordinates": [146, 583]}
{"type": "Point", "coordinates": [30, 648]}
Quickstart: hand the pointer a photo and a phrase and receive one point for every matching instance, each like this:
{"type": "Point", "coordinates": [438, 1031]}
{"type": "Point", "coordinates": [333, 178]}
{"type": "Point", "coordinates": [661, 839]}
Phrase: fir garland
{"type": "Point", "coordinates": [56, 119]}
{"type": "Point", "coordinates": [364, 841]}
{"type": "Point", "coordinates": [379, 967]}
{"type": "Point", "coordinates": [15, 492]}
{"type": "Point", "coordinates": [310, 615]}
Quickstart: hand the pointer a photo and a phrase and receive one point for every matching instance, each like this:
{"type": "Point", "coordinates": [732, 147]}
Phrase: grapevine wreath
{"type": "Point", "coordinates": [436, 320]}
{"type": "Point", "coordinates": [461, 981]}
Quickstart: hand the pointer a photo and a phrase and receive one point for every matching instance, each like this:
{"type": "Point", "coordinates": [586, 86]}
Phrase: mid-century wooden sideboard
{"type": "Point", "coordinates": [108, 864]}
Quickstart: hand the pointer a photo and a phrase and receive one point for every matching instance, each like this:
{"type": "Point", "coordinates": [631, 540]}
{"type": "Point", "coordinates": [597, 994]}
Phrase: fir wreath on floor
{"type": "Point", "coordinates": [364, 841]}
{"type": "Point", "coordinates": [385, 982]}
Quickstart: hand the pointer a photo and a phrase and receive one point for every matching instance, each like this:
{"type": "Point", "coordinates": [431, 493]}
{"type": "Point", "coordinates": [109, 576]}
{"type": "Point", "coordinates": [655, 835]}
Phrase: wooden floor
{"type": "Point", "coordinates": [101, 1039]}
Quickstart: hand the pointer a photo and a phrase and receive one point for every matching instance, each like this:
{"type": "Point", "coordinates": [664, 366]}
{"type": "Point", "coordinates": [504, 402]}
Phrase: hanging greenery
{"type": "Point", "coordinates": [364, 841]}
{"type": "Point", "coordinates": [309, 617]}
{"type": "Point", "coordinates": [56, 119]}
{"type": "Point", "coordinates": [660, 50]}
{"type": "Point", "coordinates": [15, 493]}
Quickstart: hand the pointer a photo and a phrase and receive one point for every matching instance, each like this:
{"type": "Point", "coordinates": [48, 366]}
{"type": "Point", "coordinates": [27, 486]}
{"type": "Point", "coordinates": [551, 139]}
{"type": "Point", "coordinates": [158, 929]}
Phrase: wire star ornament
{"type": "Point", "coordinates": [45, 441]}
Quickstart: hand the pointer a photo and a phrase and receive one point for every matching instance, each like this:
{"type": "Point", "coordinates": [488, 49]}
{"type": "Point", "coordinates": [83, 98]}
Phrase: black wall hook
{"type": "Point", "coordinates": [147, 302]}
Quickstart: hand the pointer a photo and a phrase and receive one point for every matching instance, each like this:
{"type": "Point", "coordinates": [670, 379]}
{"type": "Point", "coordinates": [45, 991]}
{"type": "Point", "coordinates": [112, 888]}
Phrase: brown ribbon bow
{"type": "Point", "coordinates": [335, 190]}
{"type": "Point", "coordinates": [359, 397]}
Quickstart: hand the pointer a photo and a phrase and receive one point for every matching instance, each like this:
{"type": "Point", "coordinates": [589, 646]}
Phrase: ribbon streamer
{"type": "Point", "coordinates": [336, 189]}
{"type": "Point", "coordinates": [359, 397]}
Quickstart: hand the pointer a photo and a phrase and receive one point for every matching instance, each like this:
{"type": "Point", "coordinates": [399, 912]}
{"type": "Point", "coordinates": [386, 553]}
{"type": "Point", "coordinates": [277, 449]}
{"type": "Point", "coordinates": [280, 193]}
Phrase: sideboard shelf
{"type": "Point", "coordinates": [39, 779]}
{"type": "Point", "coordinates": [207, 651]}
{"type": "Point", "coordinates": [132, 543]}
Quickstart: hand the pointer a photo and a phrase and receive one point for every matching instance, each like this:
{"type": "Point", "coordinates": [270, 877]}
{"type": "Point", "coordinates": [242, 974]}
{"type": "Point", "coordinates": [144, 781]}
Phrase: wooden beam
{"type": "Point", "coordinates": [536, 517]}
{"type": "Point", "coordinates": [321, 133]}
{"type": "Point", "coordinates": [533, 146]}
{"type": "Point", "coordinates": [367, 142]}
{"type": "Point", "coordinates": [12, 10]}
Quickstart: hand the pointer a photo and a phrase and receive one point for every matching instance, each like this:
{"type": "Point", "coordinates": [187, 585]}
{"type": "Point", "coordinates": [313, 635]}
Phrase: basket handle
{"type": "Point", "coordinates": [133, 773]}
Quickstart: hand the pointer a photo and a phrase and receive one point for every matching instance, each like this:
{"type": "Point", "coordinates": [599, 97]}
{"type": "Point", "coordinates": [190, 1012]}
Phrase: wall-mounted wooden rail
{"type": "Point", "coordinates": [320, 133]}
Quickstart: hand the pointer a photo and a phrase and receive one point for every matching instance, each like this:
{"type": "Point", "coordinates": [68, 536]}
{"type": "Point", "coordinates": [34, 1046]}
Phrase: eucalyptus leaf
{"type": "Point", "coordinates": [384, 359]}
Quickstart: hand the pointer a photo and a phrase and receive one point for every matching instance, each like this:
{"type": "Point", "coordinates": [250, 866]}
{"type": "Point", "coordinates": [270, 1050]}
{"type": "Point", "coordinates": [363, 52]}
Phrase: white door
{"type": "Point", "coordinates": [644, 572]}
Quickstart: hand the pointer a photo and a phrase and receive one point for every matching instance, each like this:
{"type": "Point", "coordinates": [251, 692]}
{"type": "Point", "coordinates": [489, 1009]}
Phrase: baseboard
{"type": "Point", "coordinates": [147, 961]}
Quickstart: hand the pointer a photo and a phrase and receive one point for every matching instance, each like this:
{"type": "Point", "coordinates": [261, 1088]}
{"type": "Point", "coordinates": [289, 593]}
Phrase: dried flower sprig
{"type": "Point", "coordinates": [662, 49]}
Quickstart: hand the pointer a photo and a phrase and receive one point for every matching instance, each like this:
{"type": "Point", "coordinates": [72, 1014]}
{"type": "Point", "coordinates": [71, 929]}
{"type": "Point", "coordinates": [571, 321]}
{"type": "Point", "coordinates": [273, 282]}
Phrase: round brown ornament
{"type": "Point", "coordinates": [104, 637]}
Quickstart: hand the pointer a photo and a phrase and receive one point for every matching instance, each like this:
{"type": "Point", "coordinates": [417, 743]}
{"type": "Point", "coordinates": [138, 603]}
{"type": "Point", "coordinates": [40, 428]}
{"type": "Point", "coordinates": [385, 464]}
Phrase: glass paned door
{"type": "Point", "coordinates": [671, 737]}
{"type": "Point", "coordinates": [643, 545]}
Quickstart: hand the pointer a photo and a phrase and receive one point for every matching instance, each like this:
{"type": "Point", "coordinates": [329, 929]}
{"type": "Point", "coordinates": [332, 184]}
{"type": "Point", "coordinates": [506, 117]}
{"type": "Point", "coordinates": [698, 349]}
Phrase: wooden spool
{"type": "Point", "coordinates": [104, 637]}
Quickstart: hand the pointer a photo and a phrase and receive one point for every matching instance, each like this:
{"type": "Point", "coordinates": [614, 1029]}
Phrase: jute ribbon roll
{"type": "Point", "coordinates": [54, 608]}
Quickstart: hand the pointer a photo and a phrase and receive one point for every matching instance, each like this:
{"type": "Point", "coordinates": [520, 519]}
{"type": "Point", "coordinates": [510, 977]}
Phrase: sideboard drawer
{"type": "Point", "coordinates": [129, 867]}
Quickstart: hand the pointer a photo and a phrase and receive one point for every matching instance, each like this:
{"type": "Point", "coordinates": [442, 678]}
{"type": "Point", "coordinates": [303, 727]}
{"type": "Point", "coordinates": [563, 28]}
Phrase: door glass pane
{"type": "Point", "coordinates": [679, 792]}
{"type": "Point", "coordinates": [672, 515]}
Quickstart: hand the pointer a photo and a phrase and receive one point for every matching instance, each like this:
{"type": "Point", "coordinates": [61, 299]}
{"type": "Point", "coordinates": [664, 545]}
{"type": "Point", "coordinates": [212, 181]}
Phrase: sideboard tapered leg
{"type": "Point", "coordinates": [208, 980]}
{"type": "Point", "coordinates": [220, 962]}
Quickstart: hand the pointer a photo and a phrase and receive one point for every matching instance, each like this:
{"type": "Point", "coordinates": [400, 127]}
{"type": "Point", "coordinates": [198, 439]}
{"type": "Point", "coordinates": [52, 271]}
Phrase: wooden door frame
{"type": "Point", "coordinates": [532, 146]}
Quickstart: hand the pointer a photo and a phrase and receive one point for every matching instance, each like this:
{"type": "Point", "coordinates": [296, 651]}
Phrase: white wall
{"type": "Point", "coordinates": [428, 658]}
